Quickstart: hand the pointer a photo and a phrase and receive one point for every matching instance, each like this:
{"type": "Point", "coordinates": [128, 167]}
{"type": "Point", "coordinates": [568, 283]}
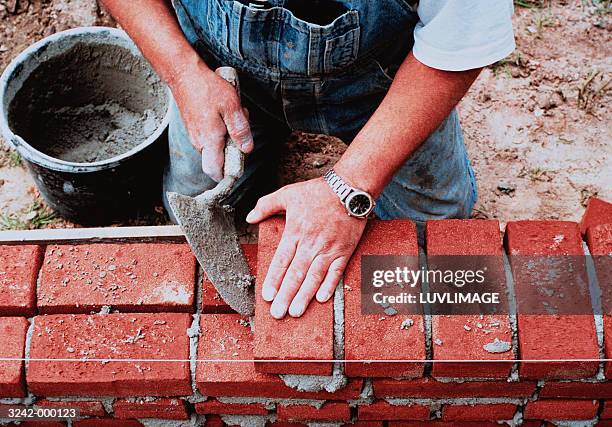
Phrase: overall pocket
{"type": "Point", "coordinates": [341, 51]}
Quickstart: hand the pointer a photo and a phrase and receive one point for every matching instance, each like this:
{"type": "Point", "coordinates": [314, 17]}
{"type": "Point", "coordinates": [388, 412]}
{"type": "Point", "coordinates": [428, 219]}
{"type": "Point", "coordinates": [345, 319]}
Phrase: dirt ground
{"type": "Point", "coordinates": [537, 125]}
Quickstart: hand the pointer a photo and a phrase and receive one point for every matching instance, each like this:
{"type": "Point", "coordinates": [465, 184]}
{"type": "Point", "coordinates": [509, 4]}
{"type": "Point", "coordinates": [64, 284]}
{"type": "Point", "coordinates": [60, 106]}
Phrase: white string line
{"type": "Point", "coordinates": [22, 359]}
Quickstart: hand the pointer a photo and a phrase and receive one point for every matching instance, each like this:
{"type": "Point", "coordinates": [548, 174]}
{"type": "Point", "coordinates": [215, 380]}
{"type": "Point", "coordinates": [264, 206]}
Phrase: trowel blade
{"type": "Point", "coordinates": [212, 235]}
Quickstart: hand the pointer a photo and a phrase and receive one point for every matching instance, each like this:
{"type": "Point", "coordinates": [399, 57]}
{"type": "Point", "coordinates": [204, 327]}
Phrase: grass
{"type": "Point", "coordinates": [592, 88]}
{"type": "Point", "coordinates": [36, 216]}
{"type": "Point", "coordinates": [10, 158]}
{"type": "Point", "coordinates": [530, 4]}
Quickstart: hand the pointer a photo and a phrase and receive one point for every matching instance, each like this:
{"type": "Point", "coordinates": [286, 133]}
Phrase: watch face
{"type": "Point", "coordinates": [360, 204]}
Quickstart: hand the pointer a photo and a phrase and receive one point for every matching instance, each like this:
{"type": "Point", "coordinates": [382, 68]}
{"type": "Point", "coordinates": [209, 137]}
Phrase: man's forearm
{"type": "Point", "coordinates": [153, 26]}
{"type": "Point", "coordinates": [419, 99]}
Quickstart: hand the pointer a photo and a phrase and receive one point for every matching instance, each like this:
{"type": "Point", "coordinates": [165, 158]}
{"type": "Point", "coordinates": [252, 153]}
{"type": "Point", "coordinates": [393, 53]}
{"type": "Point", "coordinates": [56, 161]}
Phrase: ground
{"type": "Point", "coordinates": [537, 125]}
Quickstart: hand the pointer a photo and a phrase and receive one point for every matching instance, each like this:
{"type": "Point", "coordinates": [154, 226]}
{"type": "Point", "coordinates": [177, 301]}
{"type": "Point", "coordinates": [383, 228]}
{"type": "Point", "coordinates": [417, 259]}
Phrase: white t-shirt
{"type": "Point", "coordinates": [457, 35]}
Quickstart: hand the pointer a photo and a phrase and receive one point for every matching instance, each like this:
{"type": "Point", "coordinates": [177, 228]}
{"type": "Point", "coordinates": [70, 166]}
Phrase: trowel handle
{"type": "Point", "coordinates": [234, 158]}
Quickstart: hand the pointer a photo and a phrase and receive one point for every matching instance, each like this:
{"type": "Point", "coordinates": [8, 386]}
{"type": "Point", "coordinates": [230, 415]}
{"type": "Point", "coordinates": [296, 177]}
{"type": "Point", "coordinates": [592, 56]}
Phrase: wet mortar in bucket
{"type": "Point", "coordinates": [89, 104]}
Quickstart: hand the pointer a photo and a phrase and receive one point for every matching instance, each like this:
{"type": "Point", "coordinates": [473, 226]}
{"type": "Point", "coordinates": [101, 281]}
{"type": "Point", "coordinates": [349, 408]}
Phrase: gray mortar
{"type": "Point", "coordinates": [426, 315]}
{"type": "Point", "coordinates": [595, 291]}
{"type": "Point", "coordinates": [194, 335]}
{"type": "Point", "coordinates": [91, 103]}
{"type": "Point", "coordinates": [194, 421]}
{"type": "Point", "coordinates": [28, 342]}
{"type": "Point", "coordinates": [337, 381]}
{"type": "Point", "coordinates": [246, 420]}
{"type": "Point", "coordinates": [367, 394]}
{"type": "Point", "coordinates": [514, 372]}
{"type": "Point", "coordinates": [271, 403]}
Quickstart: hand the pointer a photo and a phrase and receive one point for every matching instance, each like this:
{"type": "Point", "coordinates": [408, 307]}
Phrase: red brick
{"type": "Point", "coordinates": [12, 345]}
{"type": "Point", "coordinates": [599, 239]}
{"type": "Point", "coordinates": [277, 342]}
{"type": "Point", "coordinates": [331, 411]}
{"type": "Point", "coordinates": [214, 421]}
{"type": "Point", "coordinates": [219, 408]}
{"type": "Point", "coordinates": [224, 338]}
{"type": "Point", "coordinates": [110, 336]}
{"type": "Point", "coordinates": [372, 337]}
{"type": "Point", "coordinates": [384, 411]}
{"type": "Point", "coordinates": [597, 212]}
{"type": "Point", "coordinates": [212, 303]}
{"type": "Point", "coordinates": [429, 388]}
{"type": "Point", "coordinates": [86, 408]}
{"type": "Point", "coordinates": [576, 390]}
{"type": "Point", "coordinates": [167, 409]}
{"type": "Point", "coordinates": [365, 424]}
{"type": "Point", "coordinates": [549, 337]}
{"type": "Point", "coordinates": [106, 422]}
{"type": "Point", "coordinates": [561, 410]}
{"type": "Point", "coordinates": [18, 272]}
{"type": "Point", "coordinates": [445, 424]}
{"type": "Point", "coordinates": [479, 412]}
{"type": "Point", "coordinates": [469, 238]}
{"type": "Point", "coordinates": [137, 277]}
{"type": "Point", "coordinates": [285, 424]}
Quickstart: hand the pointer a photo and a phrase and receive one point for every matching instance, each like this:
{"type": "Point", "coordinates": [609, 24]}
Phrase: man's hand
{"type": "Point", "coordinates": [318, 240]}
{"type": "Point", "coordinates": [211, 109]}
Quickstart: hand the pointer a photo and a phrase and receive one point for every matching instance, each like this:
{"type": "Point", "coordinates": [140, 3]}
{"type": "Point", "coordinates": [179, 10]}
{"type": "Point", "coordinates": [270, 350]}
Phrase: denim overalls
{"type": "Point", "coordinates": [321, 67]}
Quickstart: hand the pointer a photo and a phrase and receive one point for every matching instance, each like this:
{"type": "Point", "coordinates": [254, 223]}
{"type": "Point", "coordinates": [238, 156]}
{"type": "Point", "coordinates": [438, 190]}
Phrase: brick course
{"type": "Point", "coordinates": [229, 351]}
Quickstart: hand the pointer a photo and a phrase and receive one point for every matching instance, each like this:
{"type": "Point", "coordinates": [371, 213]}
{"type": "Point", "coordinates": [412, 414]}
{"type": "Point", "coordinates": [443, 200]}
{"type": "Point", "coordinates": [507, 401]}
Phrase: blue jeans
{"type": "Point", "coordinates": [318, 77]}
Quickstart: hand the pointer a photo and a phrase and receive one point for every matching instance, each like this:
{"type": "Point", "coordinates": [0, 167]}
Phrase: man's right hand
{"type": "Point", "coordinates": [211, 109]}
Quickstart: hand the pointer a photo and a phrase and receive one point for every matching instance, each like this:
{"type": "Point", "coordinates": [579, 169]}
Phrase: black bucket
{"type": "Point", "coordinates": [89, 116]}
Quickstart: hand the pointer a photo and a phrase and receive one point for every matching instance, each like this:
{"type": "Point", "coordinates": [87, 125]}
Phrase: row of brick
{"type": "Point", "coordinates": [177, 409]}
{"type": "Point", "coordinates": [148, 355]}
{"type": "Point", "coordinates": [161, 277]}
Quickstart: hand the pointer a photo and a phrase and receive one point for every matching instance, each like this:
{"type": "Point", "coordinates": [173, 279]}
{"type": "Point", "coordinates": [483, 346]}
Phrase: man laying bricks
{"type": "Point", "coordinates": [384, 76]}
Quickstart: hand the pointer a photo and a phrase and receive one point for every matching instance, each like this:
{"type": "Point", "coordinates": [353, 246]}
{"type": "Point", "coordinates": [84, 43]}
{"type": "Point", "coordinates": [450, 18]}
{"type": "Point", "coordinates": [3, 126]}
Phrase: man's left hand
{"type": "Point", "coordinates": [317, 243]}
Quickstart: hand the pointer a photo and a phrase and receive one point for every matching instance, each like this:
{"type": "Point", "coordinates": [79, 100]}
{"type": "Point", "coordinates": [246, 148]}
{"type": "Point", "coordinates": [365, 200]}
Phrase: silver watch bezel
{"type": "Point", "coordinates": [351, 196]}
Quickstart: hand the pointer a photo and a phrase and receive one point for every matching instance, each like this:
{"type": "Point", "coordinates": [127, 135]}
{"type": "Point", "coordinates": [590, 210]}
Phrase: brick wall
{"type": "Point", "coordinates": [134, 334]}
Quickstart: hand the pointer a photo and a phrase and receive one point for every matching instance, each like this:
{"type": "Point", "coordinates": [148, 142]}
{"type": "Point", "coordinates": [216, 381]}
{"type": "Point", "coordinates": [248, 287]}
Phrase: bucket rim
{"type": "Point", "coordinates": [33, 155]}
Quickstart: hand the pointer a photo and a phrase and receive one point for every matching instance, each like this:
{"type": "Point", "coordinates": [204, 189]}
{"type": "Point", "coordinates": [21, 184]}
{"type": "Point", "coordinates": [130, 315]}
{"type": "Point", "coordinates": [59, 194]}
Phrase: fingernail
{"type": "Point", "coordinates": [296, 310]}
{"type": "Point", "coordinates": [268, 294]}
{"type": "Point", "coordinates": [277, 312]}
{"type": "Point", "coordinates": [251, 216]}
{"type": "Point", "coordinates": [321, 297]}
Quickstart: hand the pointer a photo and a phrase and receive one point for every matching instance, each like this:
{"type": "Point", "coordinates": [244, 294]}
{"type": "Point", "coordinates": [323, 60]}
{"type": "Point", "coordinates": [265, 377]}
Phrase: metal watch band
{"type": "Point", "coordinates": [341, 188]}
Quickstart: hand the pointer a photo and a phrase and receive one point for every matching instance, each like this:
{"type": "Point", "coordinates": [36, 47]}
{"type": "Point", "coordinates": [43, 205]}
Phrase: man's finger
{"type": "Point", "coordinates": [238, 127]}
{"type": "Point", "coordinates": [294, 277]}
{"type": "Point", "coordinates": [278, 267]}
{"type": "Point", "coordinates": [314, 278]}
{"type": "Point", "coordinates": [269, 205]}
{"type": "Point", "coordinates": [213, 155]}
{"type": "Point", "coordinates": [332, 278]}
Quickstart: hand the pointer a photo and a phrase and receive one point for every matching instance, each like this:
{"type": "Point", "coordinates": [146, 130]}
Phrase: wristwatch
{"type": "Point", "coordinates": [358, 203]}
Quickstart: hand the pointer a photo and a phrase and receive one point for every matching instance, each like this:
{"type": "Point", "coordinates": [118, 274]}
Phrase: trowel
{"type": "Point", "coordinates": [210, 230]}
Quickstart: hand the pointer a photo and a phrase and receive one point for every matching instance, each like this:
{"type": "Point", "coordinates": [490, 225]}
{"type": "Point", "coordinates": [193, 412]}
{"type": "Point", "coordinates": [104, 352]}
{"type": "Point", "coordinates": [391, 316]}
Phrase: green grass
{"type": "Point", "coordinates": [10, 158]}
{"type": "Point", "coordinates": [35, 216]}
{"type": "Point", "coordinates": [530, 4]}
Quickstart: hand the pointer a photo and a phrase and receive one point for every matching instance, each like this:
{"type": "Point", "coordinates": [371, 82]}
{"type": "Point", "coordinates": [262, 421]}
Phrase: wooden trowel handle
{"type": "Point", "coordinates": [234, 158]}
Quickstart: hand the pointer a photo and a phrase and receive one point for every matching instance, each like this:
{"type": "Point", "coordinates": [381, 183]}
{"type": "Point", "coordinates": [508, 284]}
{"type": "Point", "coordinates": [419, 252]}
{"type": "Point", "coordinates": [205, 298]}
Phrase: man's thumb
{"type": "Point", "coordinates": [266, 206]}
{"type": "Point", "coordinates": [239, 130]}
